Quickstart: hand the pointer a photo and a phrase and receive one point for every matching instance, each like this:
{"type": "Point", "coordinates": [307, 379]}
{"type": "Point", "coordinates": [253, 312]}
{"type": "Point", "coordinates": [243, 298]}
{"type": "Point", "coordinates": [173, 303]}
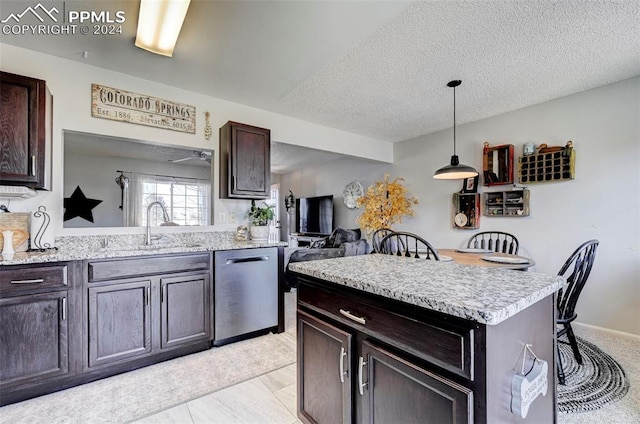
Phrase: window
{"type": "Point", "coordinates": [185, 199]}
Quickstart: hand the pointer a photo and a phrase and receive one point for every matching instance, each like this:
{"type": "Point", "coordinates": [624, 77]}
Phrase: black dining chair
{"type": "Point", "coordinates": [498, 241]}
{"type": "Point", "coordinates": [576, 270]}
{"type": "Point", "coordinates": [401, 243]}
{"type": "Point", "coordinates": [377, 237]}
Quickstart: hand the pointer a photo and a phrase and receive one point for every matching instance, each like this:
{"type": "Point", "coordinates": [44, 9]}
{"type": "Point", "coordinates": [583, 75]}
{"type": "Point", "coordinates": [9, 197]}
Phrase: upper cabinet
{"type": "Point", "coordinates": [25, 132]}
{"type": "Point", "coordinates": [497, 164]}
{"type": "Point", "coordinates": [245, 161]}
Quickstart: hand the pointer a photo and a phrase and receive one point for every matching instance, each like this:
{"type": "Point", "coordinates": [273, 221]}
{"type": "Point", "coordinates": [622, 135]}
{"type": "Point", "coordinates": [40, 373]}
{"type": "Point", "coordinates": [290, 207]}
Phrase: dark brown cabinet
{"type": "Point", "coordinates": [184, 310]}
{"type": "Point", "coordinates": [40, 330]}
{"type": "Point", "coordinates": [324, 370]}
{"type": "Point", "coordinates": [245, 161]}
{"type": "Point", "coordinates": [119, 322]}
{"type": "Point", "coordinates": [393, 390]}
{"type": "Point", "coordinates": [364, 364]}
{"type": "Point", "coordinates": [25, 132]}
{"type": "Point", "coordinates": [133, 316]}
{"type": "Point", "coordinates": [33, 337]}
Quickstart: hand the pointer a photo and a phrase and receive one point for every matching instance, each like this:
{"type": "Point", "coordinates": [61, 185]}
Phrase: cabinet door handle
{"type": "Point", "coordinates": [233, 182]}
{"type": "Point", "coordinates": [148, 294]}
{"type": "Point", "coordinates": [161, 294]}
{"type": "Point", "coordinates": [33, 165]}
{"type": "Point", "coordinates": [361, 385]}
{"type": "Point", "coordinates": [64, 309]}
{"type": "Point", "coordinates": [250, 259]}
{"type": "Point", "coordinates": [34, 281]}
{"type": "Point", "coordinates": [349, 315]}
{"type": "Point", "coordinates": [343, 353]}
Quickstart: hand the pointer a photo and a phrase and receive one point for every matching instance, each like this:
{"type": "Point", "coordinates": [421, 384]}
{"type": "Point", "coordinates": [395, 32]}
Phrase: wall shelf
{"type": "Point", "coordinates": [497, 164]}
{"type": "Point", "coordinates": [513, 203]}
{"type": "Point", "coordinates": [467, 204]}
{"type": "Point", "coordinates": [547, 167]}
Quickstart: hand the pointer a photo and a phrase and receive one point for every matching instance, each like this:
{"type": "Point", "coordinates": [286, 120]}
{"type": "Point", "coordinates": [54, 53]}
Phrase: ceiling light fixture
{"type": "Point", "coordinates": [159, 24]}
{"type": "Point", "coordinates": [455, 170]}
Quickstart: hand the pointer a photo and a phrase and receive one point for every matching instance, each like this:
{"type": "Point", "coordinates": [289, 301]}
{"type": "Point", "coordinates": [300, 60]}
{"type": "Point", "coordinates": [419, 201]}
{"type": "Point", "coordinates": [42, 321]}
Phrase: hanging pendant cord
{"type": "Point", "coordinates": [454, 121]}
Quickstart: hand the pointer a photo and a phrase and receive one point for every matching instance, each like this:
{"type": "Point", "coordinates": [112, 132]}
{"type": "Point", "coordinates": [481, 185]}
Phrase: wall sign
{"type": "Point", "coordinates": [526, 387]}
{"type": "Point", "coordinates": [126, 106]}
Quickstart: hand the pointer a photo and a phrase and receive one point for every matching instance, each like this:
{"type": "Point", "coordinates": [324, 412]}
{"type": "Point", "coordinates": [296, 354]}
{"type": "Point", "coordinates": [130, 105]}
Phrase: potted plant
{"type": "Point", "coordinates": [259, 217]}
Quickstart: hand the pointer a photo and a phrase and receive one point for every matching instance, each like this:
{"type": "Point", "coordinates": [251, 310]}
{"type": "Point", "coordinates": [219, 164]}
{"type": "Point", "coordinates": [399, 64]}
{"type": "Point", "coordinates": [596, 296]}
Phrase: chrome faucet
{"type": "Point", "coordinates": [165, 216]}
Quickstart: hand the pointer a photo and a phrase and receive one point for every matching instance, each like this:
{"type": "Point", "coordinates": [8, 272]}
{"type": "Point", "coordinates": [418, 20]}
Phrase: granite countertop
{"type": "Point", "coordinates": [482, 294]}
{"type": "Point", "coordinates": [119, 246]}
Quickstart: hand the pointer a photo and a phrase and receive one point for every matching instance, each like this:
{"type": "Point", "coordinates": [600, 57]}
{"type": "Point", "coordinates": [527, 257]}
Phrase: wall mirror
{"type": "Point", "coordinates": [109, 182]}
{"type": "Point", "coordinates": [497, 164]}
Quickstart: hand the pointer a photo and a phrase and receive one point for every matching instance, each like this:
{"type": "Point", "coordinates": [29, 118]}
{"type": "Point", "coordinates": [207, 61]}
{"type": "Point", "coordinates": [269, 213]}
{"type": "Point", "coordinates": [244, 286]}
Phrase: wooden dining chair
{"type": "Point", "coordinates": [377, 237]}
{"type": "Point", "coordinates": [576, 270]}
{"type": "Point", "coordinates": [498, 241]}
{"type": "Point", "coordinates": [402, 243]}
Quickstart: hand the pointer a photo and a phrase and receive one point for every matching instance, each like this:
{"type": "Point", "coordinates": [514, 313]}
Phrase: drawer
{"type": "Point", "coordinates": [441, 343]}
{"type": "Point", "coordinates": [145, 266]}
{"type": "Point", "coordinates": [27, 278]}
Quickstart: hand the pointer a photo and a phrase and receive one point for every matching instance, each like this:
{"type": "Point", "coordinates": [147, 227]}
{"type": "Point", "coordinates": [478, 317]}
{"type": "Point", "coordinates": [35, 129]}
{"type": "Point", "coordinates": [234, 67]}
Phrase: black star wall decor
{"type": "Point", "coordinates": [79, 206]}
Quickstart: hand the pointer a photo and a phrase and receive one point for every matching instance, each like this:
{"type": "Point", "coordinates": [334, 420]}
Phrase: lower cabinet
{"type": "Point", "coordinates": [357, 373]}
{"type": "Point", "coordinates": [184, 310]}
{"type": "Point", "coordinates": [392, 389]}
{"type": "Point", "coordinates": [33, 337]}
{"type": "Point", "coordinates": [119, 322]}
{"type": "Point", "coordinates": [135, 317]}
{"type": "Point", "coordinates": [324, 370]}
{"type": "Point", "coordinates": [40, 328]}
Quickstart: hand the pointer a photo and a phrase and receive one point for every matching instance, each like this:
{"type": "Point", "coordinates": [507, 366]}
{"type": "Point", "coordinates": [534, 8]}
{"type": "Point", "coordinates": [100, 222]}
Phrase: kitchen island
{"type": "Point", "coordinates": [394, 339]}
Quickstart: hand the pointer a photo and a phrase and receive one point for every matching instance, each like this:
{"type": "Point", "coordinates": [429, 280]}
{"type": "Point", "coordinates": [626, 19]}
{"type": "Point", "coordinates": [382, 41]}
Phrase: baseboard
{"type": "Point", "coordinates": [606, 330]}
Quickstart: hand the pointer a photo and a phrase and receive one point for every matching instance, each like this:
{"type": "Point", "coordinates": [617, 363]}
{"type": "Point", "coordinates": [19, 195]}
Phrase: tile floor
{"type": "Point", "coordinates": [270, 398]}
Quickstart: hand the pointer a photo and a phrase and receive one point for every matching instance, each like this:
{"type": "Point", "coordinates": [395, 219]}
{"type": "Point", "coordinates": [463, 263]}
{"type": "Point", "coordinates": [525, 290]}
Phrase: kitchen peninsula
{"type": "Point", "coordinates": [394, 339]}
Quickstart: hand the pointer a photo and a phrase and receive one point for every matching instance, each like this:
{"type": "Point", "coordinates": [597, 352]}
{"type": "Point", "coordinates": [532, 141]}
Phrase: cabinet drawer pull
{"type": "Point", "coordinates": [34, 281]}
{"type": "Point", "coordinates": [251, 259]}
{"type": "Point", "coordinates": [33, 165]}
{"type": "Point", "coordinates": [349, 315]}
{"type": "Point", "coordinates": [361, 385]}
{"type": "Point", "coordinates": [342, 371]}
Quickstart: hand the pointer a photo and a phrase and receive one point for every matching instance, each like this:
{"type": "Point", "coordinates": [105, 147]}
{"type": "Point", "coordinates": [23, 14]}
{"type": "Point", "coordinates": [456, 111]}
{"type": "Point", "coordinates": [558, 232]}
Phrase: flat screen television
{"type": "Point", "coordinates": [314, 215]}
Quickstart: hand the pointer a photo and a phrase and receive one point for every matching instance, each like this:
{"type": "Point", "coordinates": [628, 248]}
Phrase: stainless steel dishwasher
{"type": "Point", "coordinates": [246, 292]}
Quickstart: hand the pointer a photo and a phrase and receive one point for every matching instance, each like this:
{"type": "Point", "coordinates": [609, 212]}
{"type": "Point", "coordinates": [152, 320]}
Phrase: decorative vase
{"type": "Point", "coordinates": [7, 249]}
{"type": "Point", "coordinates": [260, 232]}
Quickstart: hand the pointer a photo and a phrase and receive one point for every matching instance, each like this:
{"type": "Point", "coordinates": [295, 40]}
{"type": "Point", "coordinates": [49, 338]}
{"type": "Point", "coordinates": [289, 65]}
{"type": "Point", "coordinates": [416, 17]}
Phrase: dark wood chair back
{"type": "Point", "coordinates": [377, 237]}
{"type": "Point", "coordinates": [576, 270]}
{"type": "Point", "coordinates": [498, 241]}
{"type": "Point", "coordinates": [402, 243]}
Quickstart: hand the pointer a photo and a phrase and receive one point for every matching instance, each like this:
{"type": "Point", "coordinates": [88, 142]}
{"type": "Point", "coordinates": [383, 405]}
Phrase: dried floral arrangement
{"type": "Point", "coordinates": [385, 203]}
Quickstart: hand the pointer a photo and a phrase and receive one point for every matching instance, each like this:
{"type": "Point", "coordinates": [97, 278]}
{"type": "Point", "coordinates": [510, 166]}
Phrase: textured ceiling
{"type": "Point", "coordinates": [373, 67]}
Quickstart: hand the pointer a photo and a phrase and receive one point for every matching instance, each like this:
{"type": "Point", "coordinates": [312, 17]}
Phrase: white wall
{"type": "Point", "coordinates": [603, 202]}
{"type": "Point", "coordinates": [70, 83]}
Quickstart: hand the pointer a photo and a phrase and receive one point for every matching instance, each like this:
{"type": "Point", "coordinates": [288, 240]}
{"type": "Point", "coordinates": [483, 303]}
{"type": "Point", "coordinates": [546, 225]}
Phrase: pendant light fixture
{"type": "Point", "coordinates": [455, 170]}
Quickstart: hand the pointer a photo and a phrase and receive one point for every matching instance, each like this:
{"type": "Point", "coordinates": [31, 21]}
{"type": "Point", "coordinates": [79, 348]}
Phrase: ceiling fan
{"type": "Point", "coordinates": [195, 155]}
